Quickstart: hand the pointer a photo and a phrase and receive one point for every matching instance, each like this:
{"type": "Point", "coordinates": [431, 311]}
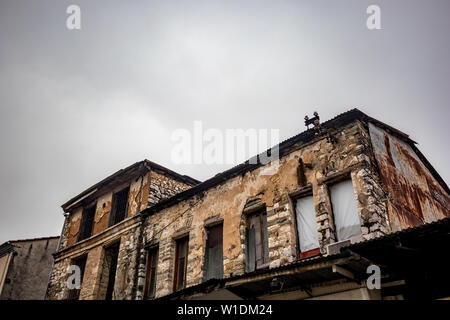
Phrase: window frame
{"type": "Point", "coordinates": [308, 192]}
{"type": "Point", "coordinates": [176, 280]}
{"type": "Point", "coordinates": [74, 294]}
{"type": "Point", "coordinates": [82, 234]}
{"type": "Point", "coordinates": [113, 214]}
{"type": "Point", "coordinates": [329, 185]}
{"type": "Point", "coordinates": [264, 240]}
{"type": "Point", "coordinates": [113, 250]}
{"type": "Point", "coordinates": [208, 228]}
{"type": "Point", "coordinates": [151, 272]}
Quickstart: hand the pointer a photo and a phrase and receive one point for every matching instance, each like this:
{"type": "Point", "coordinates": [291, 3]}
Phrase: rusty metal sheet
{"type": "Point", "coordinates": [416, 197]}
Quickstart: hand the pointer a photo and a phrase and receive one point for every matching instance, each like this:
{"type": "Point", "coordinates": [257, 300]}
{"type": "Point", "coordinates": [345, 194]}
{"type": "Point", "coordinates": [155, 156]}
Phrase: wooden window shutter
{"type": "Point", "coordinates": [251, 250]}
{"type": "Point", "coordinates": [87, 223]}
{"type": "Point", "coordinates": [214, 253]}
{"type": "Point", "coordinates": [257, 222]}
{"type": "Point", "coordinates": [265, 239]}
{"type": "Point", "coordinates": [182, 248]}
{"type": "Point", "coordinates": [150, 280]}
{"type": "Point", "coordinates": [119, 207]}
{"type": "Point", "coordinates": [257, 242]}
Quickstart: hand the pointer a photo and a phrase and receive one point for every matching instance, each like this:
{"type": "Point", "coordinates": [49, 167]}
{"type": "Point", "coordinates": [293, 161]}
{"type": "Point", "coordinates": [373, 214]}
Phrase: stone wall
{"type": "Point", "coordinates": [95, 280]}
{"type": "Point", "coordinates": [163, 186]}
{"type": "Point", "coordinates": [57, 287]}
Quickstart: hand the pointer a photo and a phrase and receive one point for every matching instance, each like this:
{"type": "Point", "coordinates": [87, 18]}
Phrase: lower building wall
{"type": "Point", "coordinates": [95, 280]}
{"type": "Point", "coordinates": [29, 269]}
{"type": "Point", "coordinates": [355, 294]}
{"type": "Point", "coordinates": [4, 264]}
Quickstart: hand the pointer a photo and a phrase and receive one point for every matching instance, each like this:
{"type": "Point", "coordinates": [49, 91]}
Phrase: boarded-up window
{"type": "Point", "coordinates": [345, 210]}
{"type": "Point", "coordinates": [306, 224]}
{"type": "Point", "coordinates": [111, 256]}
{"type": "Point", "coordinates": [119, 206]}
{"type": "Point", "coordinates": [214, 253]}
{"type": "Point", "coordinates": [181, 255]}
{"type": "Point", "coordinates": [152, 265]}
{"type": "Point", "coordinates": [74, 294]}
{"type": "Point", "coordinates": [87, 223]}
{"type": "Point", "coordinates": [257, 242]}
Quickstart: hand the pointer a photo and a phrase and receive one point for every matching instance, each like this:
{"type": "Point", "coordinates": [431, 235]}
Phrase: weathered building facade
{"type": "Point", "coordinates": [102, 229]}
{"type": "Point", "coordinates": [351, 179]}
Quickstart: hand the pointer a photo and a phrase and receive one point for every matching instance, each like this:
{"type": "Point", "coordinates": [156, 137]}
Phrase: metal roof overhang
{"type": "Point", "coordinates": [415, 258]}
{"type": "Point", "coordinates": [300, 274]}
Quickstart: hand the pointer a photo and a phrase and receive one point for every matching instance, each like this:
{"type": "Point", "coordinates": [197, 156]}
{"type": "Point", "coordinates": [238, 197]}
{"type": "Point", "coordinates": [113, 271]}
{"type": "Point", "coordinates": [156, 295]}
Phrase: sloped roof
{"type": "Point", "coordinates": [144, 165]}
{"type": "Point", "coordinates": [34, 239]}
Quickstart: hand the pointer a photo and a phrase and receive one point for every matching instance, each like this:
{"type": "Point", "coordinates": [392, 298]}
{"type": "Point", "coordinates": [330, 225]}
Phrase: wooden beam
{"type": "Point", "coordinates": [344, 272]}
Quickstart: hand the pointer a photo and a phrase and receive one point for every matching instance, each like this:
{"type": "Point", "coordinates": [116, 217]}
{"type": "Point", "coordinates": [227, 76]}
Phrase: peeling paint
{"type": "Point", "coordinates": [415, 195]}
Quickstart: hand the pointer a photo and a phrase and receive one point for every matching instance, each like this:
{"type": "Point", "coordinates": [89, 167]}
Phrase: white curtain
{"type": "Point", "coordinates": [345, 210]}
{"type": "Point", "coordinates": [306, 224]}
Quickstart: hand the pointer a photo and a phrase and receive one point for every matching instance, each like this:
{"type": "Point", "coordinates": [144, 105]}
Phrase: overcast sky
{"type": "Point", "coordinates": [78, 105]}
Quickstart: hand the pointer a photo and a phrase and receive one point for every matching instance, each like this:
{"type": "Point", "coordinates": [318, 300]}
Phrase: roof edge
{"type": "Point", "coordinates": [147, 164]}
{"type": "Point", "coordinates": [182, 178]}
{"type": "Point", "coordinates": [305, 136]}
{"type": "Point", "coordinates": [34, 239]}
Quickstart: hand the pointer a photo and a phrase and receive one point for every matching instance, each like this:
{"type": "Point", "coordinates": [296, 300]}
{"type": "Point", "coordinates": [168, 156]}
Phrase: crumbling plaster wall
{"type": "Point", "coordinates": [348, 151]}
{"type": "Point", "coordinates": [137, 201]}
{"type": "Point", "coordinates": [138, 197]}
